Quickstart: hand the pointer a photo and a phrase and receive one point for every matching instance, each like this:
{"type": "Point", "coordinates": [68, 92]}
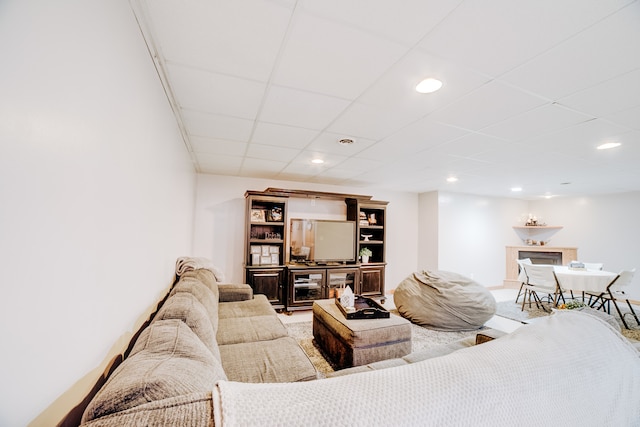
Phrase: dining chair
{"type": "Point", "coordinates": [593, 265]}
{"type": "Point", "coordinates": [521, 274]}
{"type": "Point", "coordinates": [617, 290]}
{"type": "Point", "coordinates": [541, 279]}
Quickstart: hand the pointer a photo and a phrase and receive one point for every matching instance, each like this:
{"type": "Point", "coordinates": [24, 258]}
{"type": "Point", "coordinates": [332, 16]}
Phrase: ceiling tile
{"type": "Point", "coordinates": [270, 152]}
{"type": "Point", "coordinates": [218, 146]}
{"type": "Point", "coordinates": [609, 97]}
{"type": "Point", "coordinates": [236, 37]}
{"type": "Point", "coordinates": [547, 118]}
{"type": "Point", "coordinates": [283, 136]}
{"type": "Point", "coordinates": [396, 89]}
{"type": "Point", "coordinates": [365, 121]}
{"type": "Point", "coordinates": [328, 142]}
{"type": "Point", "coordinates": [216, 93]}
{"type": "Point", "coordinates": [216, 126]}
{"type": "Point", "coordinates": [629, 118]}
{"type": "Point", "coordinates": [406, 24]}
{"type": "Point", "coordinates": [330, 58]}
{"type": "Point", "coordinates": [302, 109]}
{"type": "Point", "coordinates": [488, 105]}
{"type": "Point", "coordinates": [496, 36]}
{"type": "Point", "coordinates": [603, 51]}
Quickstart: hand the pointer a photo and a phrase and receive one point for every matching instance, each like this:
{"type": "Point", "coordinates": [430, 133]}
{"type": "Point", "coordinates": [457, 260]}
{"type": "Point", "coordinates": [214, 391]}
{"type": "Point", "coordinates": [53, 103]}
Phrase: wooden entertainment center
{"type": "Point", "coordinates": [290, 283]}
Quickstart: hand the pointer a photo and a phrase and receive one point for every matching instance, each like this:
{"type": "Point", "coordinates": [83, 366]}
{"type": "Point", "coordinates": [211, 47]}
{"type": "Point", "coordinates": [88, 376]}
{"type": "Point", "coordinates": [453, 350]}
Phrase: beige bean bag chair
{"type": "Point", "coordinates": [444, 300]}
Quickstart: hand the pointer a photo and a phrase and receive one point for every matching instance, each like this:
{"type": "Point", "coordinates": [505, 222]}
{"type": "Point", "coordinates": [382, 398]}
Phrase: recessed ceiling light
{"type": "Point", "coordinates": [429, 85]}
{"type": "Point", "coordinates": [516, 189]}
{"type": "Point", "coordinates": [608, 145]}
{"type": "Point", "coordinates": [452, 179]}
{"type": "Point", "coordinates": [317, 161]}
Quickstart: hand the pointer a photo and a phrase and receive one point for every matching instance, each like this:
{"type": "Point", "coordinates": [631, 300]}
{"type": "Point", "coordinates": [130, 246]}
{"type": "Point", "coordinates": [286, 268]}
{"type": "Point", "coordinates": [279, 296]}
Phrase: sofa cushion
{"type": "Point", "coordinates": [203, 294]}
{"type": "Point", "coordinates": [235, 330]}
{"type": "Point", "coordinates": [195, 409]}
{"type": "Point", "coordinates": [167, 360]}
{"type": "Point", "coordinates": [235, 292]}
{"type": "Point", "coordinates": [278, 361]}
{"type": "Point", "coordinates": [258, 306]}
{"type": "Point", "coordinates": [184, 306]}
{"type": "Point", "coordinates": [206, 277]}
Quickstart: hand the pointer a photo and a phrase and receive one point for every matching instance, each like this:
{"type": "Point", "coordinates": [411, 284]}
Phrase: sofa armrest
{"type": "Point", "coordinates": [234, 292]}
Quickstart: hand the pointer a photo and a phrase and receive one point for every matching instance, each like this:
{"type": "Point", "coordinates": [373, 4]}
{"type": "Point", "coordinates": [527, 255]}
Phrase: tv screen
{"type": "Point", "coordinates": [322, 241]}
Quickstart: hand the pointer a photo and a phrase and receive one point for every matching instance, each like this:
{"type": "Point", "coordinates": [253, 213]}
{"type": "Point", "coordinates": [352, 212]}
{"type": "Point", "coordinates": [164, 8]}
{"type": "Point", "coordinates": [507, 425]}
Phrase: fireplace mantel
{"type": "Point", "coordinates": [513, 255]}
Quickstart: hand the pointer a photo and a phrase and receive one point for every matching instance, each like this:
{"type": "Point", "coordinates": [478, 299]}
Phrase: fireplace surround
{"type": "Point", "coordinates": [538, 255]}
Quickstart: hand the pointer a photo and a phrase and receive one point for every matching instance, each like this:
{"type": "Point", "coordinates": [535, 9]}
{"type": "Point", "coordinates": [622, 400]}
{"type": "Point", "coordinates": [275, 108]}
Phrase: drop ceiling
{"type": "Point", "coordinates": [530, 89]}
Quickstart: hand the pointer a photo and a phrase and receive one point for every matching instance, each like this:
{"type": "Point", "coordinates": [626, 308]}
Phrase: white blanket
{"type": "Point", "coordinates": [568, 369]}
{"type": "Point", "coordinates": [184, 264]}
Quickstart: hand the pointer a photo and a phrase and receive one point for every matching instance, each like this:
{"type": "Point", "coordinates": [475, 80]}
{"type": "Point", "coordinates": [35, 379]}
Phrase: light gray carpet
{"type": "Point", "coordinates": [421, 338]}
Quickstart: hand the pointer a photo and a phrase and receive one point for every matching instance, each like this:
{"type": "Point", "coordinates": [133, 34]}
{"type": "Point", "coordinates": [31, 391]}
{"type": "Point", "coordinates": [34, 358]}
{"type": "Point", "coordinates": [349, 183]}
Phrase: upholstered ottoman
{"type": "Point", "coordinates": [358, 341]}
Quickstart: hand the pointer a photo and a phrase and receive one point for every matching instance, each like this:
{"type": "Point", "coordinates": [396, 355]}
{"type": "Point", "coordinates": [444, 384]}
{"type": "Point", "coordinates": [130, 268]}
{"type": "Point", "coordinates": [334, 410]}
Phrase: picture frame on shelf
{"type": "Point", "coordinates": [274, 214]}
{"type": "Point", "coordinates": [257, 215]}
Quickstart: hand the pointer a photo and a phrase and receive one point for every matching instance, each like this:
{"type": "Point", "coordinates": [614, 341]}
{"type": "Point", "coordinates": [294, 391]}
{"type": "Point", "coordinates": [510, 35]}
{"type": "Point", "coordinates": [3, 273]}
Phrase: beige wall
{"type": "Point", "coordinates": [96, 198]}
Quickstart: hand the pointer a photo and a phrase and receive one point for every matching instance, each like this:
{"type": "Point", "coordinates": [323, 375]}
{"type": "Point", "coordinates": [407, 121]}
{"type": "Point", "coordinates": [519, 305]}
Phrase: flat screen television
{"type": "Point", "coordinates": [323, 241]}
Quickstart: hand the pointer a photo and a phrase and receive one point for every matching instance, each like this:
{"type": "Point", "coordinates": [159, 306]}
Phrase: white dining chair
{"type": "Point", "coordinates": [522, 275]}
{"type": "Point", "coordinates": [541, 279]}
{"type": "Point", "coordinates": [594, 266]}
{"type": "Point", "coordinates": [618, 289]}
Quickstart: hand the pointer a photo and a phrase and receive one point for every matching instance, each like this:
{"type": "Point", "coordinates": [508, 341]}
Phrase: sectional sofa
{"type": "Point", "coordinates": [217, 355]}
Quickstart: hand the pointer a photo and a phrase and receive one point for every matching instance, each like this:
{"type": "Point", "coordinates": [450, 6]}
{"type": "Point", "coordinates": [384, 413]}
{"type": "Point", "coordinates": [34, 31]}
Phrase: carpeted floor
{"type": "Point", "coordinates": [421, 338]}
{"type": "Point", "coordinates": [513, 311]}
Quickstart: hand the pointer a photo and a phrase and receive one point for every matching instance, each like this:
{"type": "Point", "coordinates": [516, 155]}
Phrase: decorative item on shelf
{"type": "Point", "coordinates": [257, 215]}
{"type": "Point", "coordinates": [532, 221]}
{"type": "Point", "coordinates": [372, 219]}
{"type": "Point", "coordinates": [275, 214]}
{"type": "Point", "coordinates": [362, 217]}
{"type": "Point", "coordinates": [365, 253]}
{"type": "Point", "coordinates": [366, 237]}
{"type": "Point", "coordinates": [532, 242]}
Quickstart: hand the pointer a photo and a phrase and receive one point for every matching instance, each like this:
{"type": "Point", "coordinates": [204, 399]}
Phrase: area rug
{"type": "Point", "coordinates": [513, 311]}
{"type": "Point", "coordinates": [421, 339]}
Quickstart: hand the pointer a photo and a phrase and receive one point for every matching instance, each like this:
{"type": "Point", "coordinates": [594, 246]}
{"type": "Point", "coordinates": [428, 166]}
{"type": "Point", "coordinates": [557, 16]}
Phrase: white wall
{"type": "Point", "coordinates": [97, 195]}
{"type": "Point", "coordinates": [220, 211]}
{"type": "Point", "coordinates": [604, 228]}
{"type": "Point", "coordinates": [467, 234]}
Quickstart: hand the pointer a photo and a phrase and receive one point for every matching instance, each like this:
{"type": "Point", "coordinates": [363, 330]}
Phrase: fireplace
{"type": "Point", "coordinates": [553, 258]}
{"type": "Point", "coordinates": [538, 255]}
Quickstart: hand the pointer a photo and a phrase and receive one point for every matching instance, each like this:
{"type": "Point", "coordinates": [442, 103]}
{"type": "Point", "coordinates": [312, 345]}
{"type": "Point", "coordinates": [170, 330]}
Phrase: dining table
{"type": "Point", "coordinates": [579, 280]}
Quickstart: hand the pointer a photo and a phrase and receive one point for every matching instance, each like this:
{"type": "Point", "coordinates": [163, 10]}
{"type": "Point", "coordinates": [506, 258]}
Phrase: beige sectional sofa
{"type": "Point", "coordinates": [204, 332]}
{"type": "Point", "coordinates": [217, 355]}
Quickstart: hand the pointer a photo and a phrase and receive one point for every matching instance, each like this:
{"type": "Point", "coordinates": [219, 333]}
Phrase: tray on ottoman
{"type": "Point", "coordinates": [365, 308]}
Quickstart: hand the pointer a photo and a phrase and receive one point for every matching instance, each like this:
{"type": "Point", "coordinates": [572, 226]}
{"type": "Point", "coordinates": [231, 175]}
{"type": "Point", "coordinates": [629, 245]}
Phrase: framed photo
{"type": "Point", "coordinates": [266, 251]}
{"type": "Point", "coordinates": [255, 249]}
{"type": "Point", "coordinates": [275, 259]}
{"type": "Point", "coordinates": [255, 259]}
{"type": "Point", "coordinates": [257, 215]}
{"type": "Point", "coordinates": [275, 214]}
{"type": "Point", "coordinates": [274, 250]}
{"type": "Point", "coordinates": [265, 260]}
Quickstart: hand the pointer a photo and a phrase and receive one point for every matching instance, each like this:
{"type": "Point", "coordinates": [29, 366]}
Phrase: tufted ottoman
{"type": "Point", "coordinates": [358, 342]}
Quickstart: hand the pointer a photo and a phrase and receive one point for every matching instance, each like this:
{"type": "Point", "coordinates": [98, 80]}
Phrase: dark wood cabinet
{"type": "Point", "coordinates": [270, 269]}
{"type": "Point", "coordinates": [270, 282]}
{"type": "Point", "coordinates": [372, 280]}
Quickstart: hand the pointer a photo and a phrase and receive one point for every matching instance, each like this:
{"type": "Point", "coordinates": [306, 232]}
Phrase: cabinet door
{"type": "Point", "coordinates": [339, 279]}
{"type": "Point", "coordinates": [372, 280]}
{"type": "Point", "coordinates": [269, 282]}
{"type": "Point", "coordinates": [305, 287]}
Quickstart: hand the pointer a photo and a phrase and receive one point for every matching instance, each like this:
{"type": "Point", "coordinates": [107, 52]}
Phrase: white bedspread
{"type": "Point", "coordinates": [568, 369]}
